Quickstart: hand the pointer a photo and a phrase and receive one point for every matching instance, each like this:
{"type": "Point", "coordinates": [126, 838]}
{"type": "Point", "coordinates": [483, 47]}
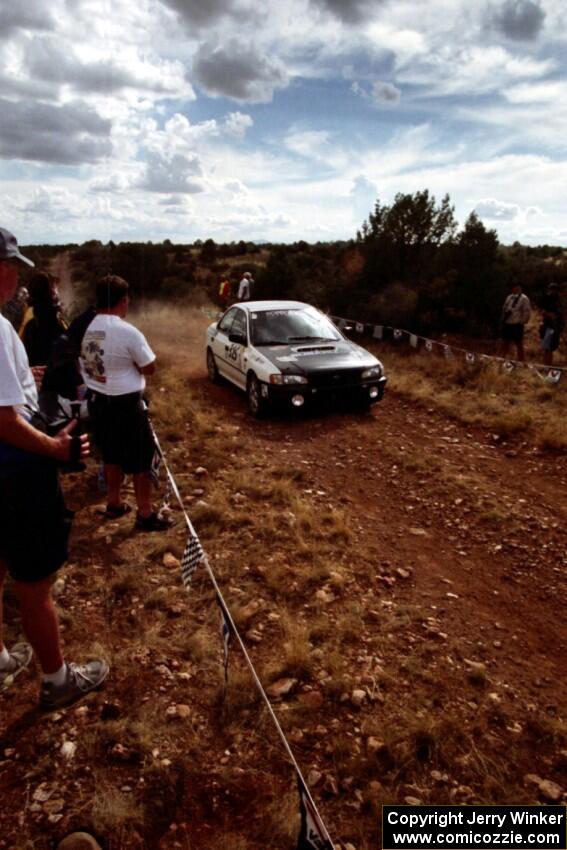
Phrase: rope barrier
{"type": "Point", "coordinates": [549, 374]}
{"type": "Point", "coordinates": [314, 834]}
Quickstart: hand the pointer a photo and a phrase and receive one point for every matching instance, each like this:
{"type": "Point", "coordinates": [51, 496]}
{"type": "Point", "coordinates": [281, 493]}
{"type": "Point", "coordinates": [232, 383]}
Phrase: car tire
{"type": "Point", "coordinates": [256, 404]}
{"type": "Point", "coordinates": [362, 405]}
{"type": "Point", "coordinates": [212, 370]}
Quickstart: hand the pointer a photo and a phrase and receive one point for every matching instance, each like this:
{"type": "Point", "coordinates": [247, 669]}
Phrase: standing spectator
{"type": "Point", "coordinates": [41, 327]}
{"type": "Point", "coordinates": [16, 308]}
{"type": "Point", "coordinates": [244, 287]}
{"type": "Point", "coordinates": [34, 523]}
{"type": "Point", "coordinates": [552, 322]}
{"type": "Point", "coordinates": [116, 358]}
{"type": "Point", "coordinates": [62, 375]}
{"type": "Point", "coordinates": [43, 321]}
{"type": "Point", "coordinates": [225, 291]}
{"type": "Point", "coordinates": [516, 312]}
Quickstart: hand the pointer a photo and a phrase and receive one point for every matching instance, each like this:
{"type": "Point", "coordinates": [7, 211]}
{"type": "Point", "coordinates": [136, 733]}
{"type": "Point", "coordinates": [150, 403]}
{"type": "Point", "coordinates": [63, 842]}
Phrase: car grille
{"type": "Point", "coordinates": [330, 378]}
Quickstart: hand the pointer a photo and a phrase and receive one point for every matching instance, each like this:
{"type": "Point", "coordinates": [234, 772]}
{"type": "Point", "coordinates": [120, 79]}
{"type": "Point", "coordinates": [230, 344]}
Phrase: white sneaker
{"type": "Point", "coordinates": [80, 679]}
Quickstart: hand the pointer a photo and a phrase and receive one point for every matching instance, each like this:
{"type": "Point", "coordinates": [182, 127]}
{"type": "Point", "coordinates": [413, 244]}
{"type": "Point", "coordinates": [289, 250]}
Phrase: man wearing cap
{"type": "Point", "coordinates": [34, 523]}
{"type": "Point", "coordinates": [244, 287]}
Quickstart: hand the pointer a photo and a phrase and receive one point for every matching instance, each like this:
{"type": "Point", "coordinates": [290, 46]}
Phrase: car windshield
{"type": "Point", "coordinates": [282, 327]}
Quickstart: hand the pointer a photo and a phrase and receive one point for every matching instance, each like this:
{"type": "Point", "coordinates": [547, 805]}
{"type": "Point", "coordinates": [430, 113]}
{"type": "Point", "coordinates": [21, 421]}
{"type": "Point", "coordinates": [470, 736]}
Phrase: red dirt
{"type": "Point", "coordinates": [421, 493]}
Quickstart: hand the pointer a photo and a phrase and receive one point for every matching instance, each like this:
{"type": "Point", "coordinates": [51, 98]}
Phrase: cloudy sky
{"type": "Point", "coordinates": [278, 120]}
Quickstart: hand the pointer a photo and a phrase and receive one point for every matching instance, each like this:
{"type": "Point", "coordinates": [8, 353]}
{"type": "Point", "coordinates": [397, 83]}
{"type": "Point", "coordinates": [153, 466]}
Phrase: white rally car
{"type": "Point", "coordinates": [289, 353]}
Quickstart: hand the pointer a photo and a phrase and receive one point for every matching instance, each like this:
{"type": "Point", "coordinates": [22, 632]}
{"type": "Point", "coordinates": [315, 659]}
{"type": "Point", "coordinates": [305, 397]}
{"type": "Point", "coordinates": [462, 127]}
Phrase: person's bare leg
{"type": "Point", "coordinates": [3, 571]}
{"type": "Point", "coordinates": [548, 357]}
{"type": "Point", "coordinates": [520, 351]}
{"type": "Point", "coordinates": [143, 491]}
{"type": "Point", "coordinates": [113, 478]}
{"type": "Point", "coordinates": [40, 622]}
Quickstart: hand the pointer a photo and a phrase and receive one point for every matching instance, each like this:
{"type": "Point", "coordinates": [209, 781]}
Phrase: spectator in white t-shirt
{"type": "Point", "coordinates": [115, 360]}
{"type": "Point", "coordinates": [244, 287]}
{"type": "Point", "coordinates": [34, 522]}
{"type": "Point", "coordinates": [516, 312]}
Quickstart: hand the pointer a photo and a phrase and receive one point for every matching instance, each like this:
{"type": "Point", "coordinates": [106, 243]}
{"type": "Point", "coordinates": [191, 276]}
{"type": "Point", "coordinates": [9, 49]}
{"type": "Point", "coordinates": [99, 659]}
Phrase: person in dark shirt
{"type": "Point", "coordinates": [552, 322]}
{"type": "Point", "coordinates": [43, 321]}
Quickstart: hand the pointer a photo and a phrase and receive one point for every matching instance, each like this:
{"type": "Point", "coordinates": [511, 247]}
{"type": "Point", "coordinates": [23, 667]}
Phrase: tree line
{"type": "Point", "coordinates": [409, 265]}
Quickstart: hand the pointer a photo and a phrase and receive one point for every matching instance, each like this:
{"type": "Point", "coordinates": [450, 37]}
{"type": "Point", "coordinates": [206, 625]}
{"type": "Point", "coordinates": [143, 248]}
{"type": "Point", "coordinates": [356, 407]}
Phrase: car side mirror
{"type": "Point", "coordinates": [238, 338]}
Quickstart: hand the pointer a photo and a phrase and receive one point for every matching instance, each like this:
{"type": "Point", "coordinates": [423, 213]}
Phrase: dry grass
{"type": "Point", "coordinates": [113, 811]}
{"type": "Point", "coordinates": [268, 540]}
{"type": "Point", "coordinates": [517, 403]}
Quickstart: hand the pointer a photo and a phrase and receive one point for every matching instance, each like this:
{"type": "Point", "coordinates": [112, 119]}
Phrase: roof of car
{"type": "Point", "coordinates": [260, 306]}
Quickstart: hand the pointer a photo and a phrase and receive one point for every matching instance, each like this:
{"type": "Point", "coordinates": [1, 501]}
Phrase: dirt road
{"type": "Point", "coordinates": [479, 523]}
{"type": "Point", "coordinates": [402, 574]}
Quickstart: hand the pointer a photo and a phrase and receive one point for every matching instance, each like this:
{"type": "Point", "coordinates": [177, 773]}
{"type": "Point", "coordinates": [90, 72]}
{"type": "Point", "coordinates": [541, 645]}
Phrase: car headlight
{"type": "Point", "coordinates": [287, 379]}
{"type": "Point", "coordinates": [373, 372]}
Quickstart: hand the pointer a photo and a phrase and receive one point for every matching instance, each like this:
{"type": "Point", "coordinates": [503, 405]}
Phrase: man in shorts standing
{"type": "Point", "coordinates": [116, 358]}
{"type": "Point", "coordinates": [34, 522]}
{"type": "Point", "coordinates": [516, 313]}
{"type": "Point", "coordinates": [244, 287]}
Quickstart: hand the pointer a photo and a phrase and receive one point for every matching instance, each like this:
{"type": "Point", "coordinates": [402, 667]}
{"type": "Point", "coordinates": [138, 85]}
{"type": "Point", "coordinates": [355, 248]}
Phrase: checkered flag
{"type": "Point", "coordinates": [192, 557]}
{"type": "Point", "coordinates": [312, 834]}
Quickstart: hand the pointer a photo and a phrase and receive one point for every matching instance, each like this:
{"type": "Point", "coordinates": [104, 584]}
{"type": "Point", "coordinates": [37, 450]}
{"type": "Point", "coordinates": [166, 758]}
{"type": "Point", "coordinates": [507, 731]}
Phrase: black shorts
{"type": "Point", "coordinates": [34, 523]}
{"type": "Point", "coordinates": [513, 333]}
{"type": "Point", "coordinates": [121, 430]}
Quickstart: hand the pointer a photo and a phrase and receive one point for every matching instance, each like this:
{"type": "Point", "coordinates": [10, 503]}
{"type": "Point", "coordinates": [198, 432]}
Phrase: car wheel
{"type": "Point", "coordinates": [256, 404]}
{"type": "Point", "coordinates": [362, 405]}
{"type": "Point", "coordinates": [212, 370]}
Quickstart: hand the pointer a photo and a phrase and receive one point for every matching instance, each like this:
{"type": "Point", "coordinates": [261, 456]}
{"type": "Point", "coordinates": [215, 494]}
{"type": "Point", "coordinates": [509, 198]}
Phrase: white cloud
{"type": "Point", "coordinates": [129, 102]}
{"type": "Point", "coordinates": [236, 187]}
{"type": "Point", "coordinates": [311, 144]}
{"type": "Point", "coordinates": [551, 93]}
{"type": "Point", "coordinates": [237, 123]}
{"type": "Point", "coordinates": [117, 182]}
{"type": "Point", "coordinates": [172, 172]}
{"type": "Point", "coordinates": [364, 193]}
{"type": "Point", "coordinates": [98, 71]}
{"type": "Point", "coordinates": [495, 210]}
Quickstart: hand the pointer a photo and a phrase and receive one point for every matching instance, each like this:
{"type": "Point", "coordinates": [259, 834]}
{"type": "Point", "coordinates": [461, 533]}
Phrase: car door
{"type": "Point", "coordinates": [220, 342]}
{"type": "Point", "coordinates": [236, 349]}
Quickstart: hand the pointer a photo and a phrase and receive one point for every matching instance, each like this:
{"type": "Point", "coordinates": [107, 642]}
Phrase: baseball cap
{"type": "Point", "coordinates": [9, 248]}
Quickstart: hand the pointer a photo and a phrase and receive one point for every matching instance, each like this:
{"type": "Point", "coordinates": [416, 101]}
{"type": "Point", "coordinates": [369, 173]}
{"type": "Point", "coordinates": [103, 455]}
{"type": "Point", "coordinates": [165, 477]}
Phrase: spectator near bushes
{"type": "Point", "coordinates": [552, 322]}
{"type": "Point", "coordinates": [516, 313]}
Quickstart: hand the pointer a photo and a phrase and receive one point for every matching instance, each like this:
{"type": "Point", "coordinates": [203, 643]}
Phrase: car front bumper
{"type": "Point", "coordinates": [300, 395]}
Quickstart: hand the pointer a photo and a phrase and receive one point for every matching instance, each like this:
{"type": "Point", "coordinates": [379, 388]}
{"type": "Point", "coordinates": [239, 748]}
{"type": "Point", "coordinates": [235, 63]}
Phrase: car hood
{"type": "Point", "coordinates": [306, 358]}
